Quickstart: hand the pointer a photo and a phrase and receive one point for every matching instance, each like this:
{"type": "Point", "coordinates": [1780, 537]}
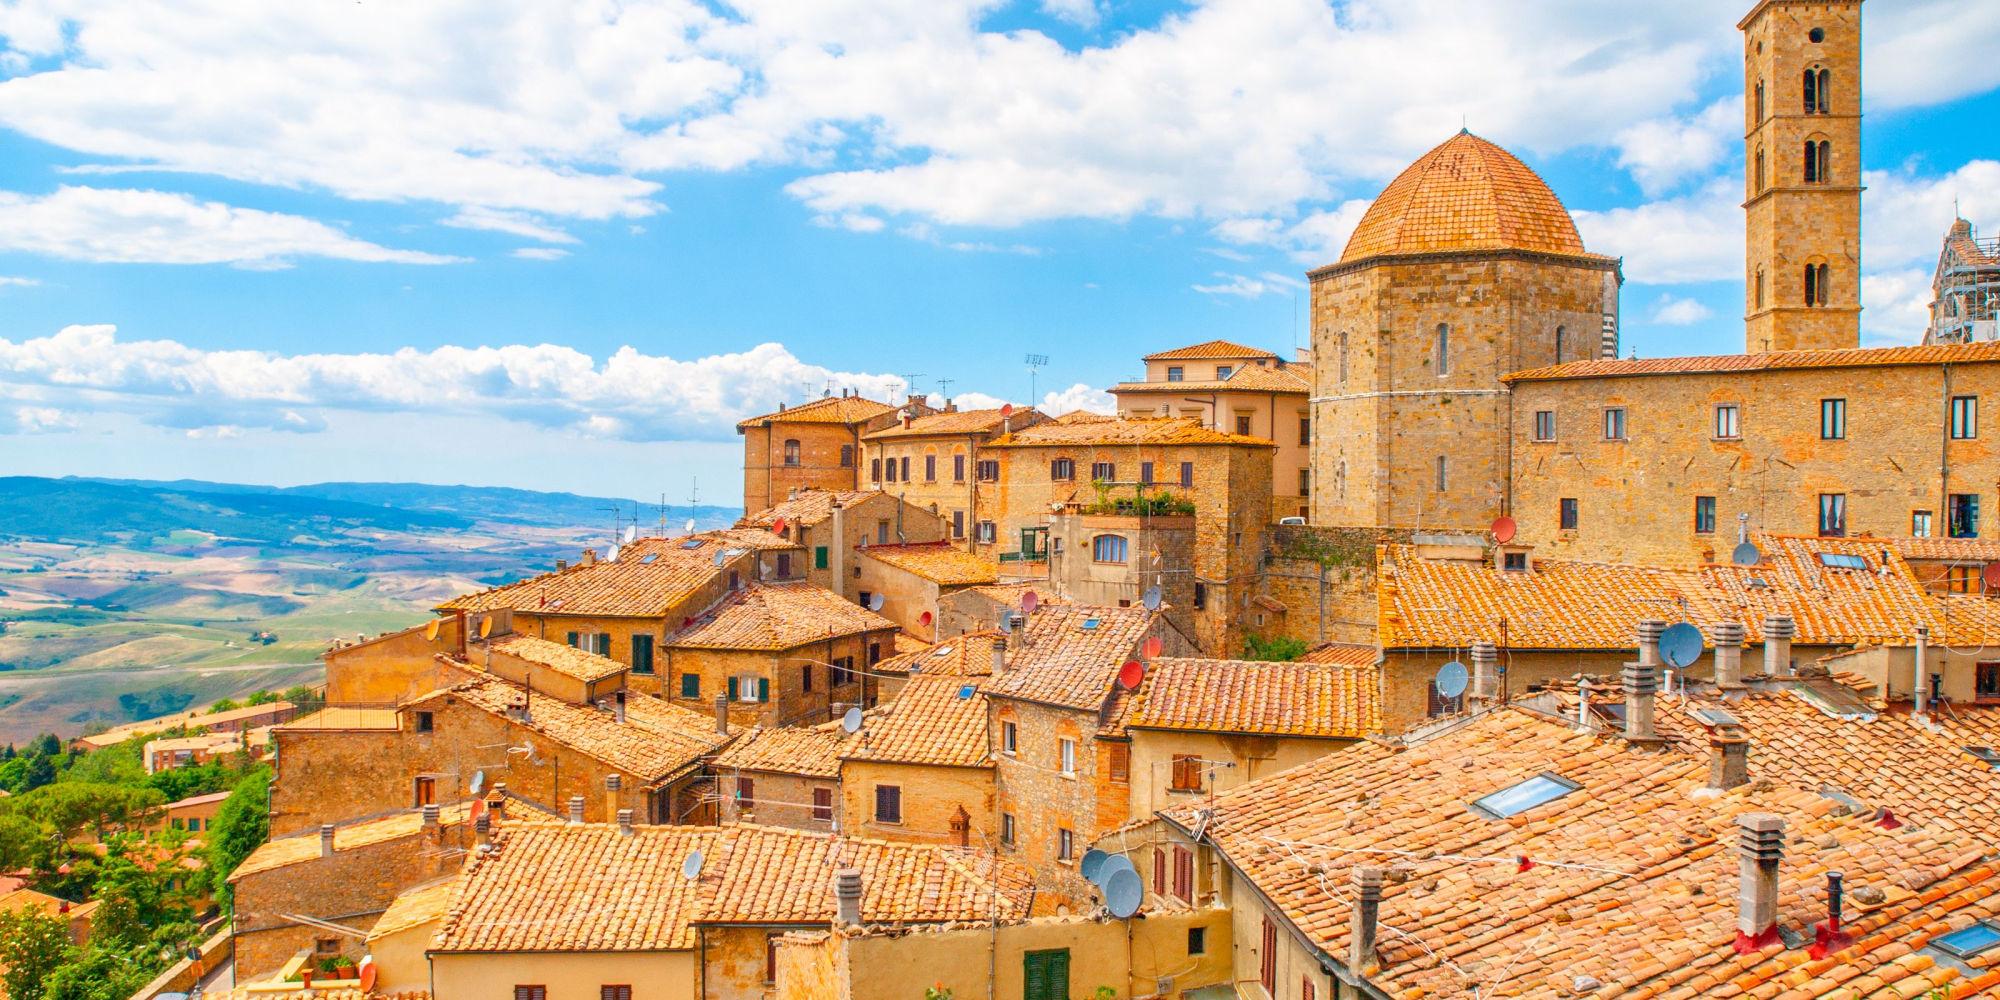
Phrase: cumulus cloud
{"type": "Point", "coordinates": [1662, 152]}
{"type": "Point", "coordinates": [1904, 215]}
{"type": "Point", "coordinates": [1246, 287]}
{"type": "Point", "coordinates": [34, 420]}
{"type": "Point", "coordinates": [158, 227]}
{"type": "Point", "coordinates": [628, 395]}
{"type": "Point", "coordinates": [1674, 311]}
{"type": "Point", "coordinates": [1055, 403]}
{"type": "Point", "coordinates": [1895, 306]}
{"type": "Point", "coordinates": [1926, 52]}
{"type": "Point", "coordinates": [10, 281]}
{"type": "Point", "coordinates": [1314, 239]}
{"type": "Point", "coordinates": [1694, 237]}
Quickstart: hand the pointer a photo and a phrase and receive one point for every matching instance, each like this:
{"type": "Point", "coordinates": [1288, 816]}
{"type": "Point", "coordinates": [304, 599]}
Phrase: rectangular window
{"type": "Point", "coordinates": [1964, 417]}
{"type": "Point", "coordinates": [989, 470]}
{"type": "Point", "coordinates": [746, 793]}
{"type": "Point", "coordinates": [1007, 829]}
{"type": "Point", "coordinates": [771, 956]}
{"type": "Point", "coordinates": [1243, 424]}
{"type": "Point", "coordinates": [1183, 874]}
{"type": "Point", "coordinates": [1964, 515]}
{"type": "Point", "coordinates": [784, 565]}
{"type": "Point", "coordinates": [426, 793]}
{"type": "Point", "coordinates": [425, 722]}
{"type": "Point", "coordinates": [958, 468]}
{"type": "Point", "coordinates": [1305, 430]}
{"type": "Point", "coordinates": [988, 533]}
{"type": "Point", "coordinates": [1305, 482]}
{"type": "Point", "coordinates": [1727, 424]}
{"type": "Point", "coordinates": [1833, 419]}
{"type": "Point", "coordinates": [1832, 514]}
{"type": "Point", "coordinates": [1267, 958]}
{"type": "Point", "coordinates": [1187, 474]}
{"type": "Point", "coordinates": [1920, 524]}
{"type": "Point", "coordinates": [1525, 795]}
{"type": "Point", "coordinates": [1568, 514]}
{"type": "Point", "coordinates": [1065, 844]}
{"type": "Point", "coordinates": [958, 524]}
{"type": "Point", "coordinates": [905, 470]}
{"type": "Point", "coordinates": [843, 671]}
{"type": "Point", "coordinates": [1545, 425]}
{"type": "Point", "coordinates": [521, 992]}
{"type": "Point", "coordinates": [1118, 761]}
{"type": "Point", "coordinates": [822, 805]}
{"type": "Point", "coordinates": [1159, 871]}
{"type": "Point", "coordinates": [1010, 738]}
{"type": "Point", "coordinates": [1176, 374]}
{"type": "Point", "coordinates": [1045, 975]}
{"type": "Point", "coordinates": [881, 534]}
{"type": "Point", "coordinates": [614, 993]}
{"type": "Point", "coordinates": [1145, 473]}
{"type": "Point", "coordinates": [930, 468]}
{"type": "Point", "coordinates": [1442, 483]}
{"type": "Point", "coordinates": [847, 456]}
{"type": "Point", "coordinates": [690, 685]}
{"type": "Point", "coordinates": [1062, 470]}
{"type": "Point", "coordinates": [1222, 372]}
{"type": "Point", "coordinates": [1986, 681]}
{"type": "Point", "coordinates": [1108, 549]}
{"type": "Point", "coordinates": [642, 645]}
{"type": "Point", "coordinates": [604, 644]}
{"type": "Point", "coordinates": [1306, 989]}
{"type": "Point", "coordinates": [1197, 941]}
{"type": "Point", "coordinates": [1704, 515]}
{"type": "Point", "coordinates": [806, 677]}
{"type": "Point", "coordinates": [1514, 562]}
{"type": "Point", "coordinates": [1103, 472]}
{"type": "Point", "coordinates": [1200, 595]}
{"type": "Point", "coordinates": [819, 557]}
{"type": "Point", "coordinates": [875, 470]}
{"type": "Point", "coordinates": [1614, 423]}
{"type": "Point", "coordinates": [1186, 773]}
{"type": "Point", "coordinates": [1066, 754]}
{"type": "Point", "coordinates": [888, 803]}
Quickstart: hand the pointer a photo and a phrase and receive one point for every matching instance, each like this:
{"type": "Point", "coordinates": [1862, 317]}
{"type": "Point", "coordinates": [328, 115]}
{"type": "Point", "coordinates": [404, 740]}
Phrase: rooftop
{"type": "Point", "coordinates": [941, 563]}
{"type": "Point", "coordinates": [565, 660]}
{"type": "Point", "coordinates": [1295, 378]}
{"type": "Point", "coordinates": [804, 751]}
{"type": "Point", "coordinates": [807, 507]}
{"type": "Point", "coordinates": [968, 655]}
{"type": "Point", "coordinates": [1466, 194]}
{"type": "Point", "coordinates": [935, 720]}
{"type": "Point", "coordinates": [650, 578]}
{"type": "Point", "coordinates": [1352, 654]}
{"type": "Point", "coordinates": [416, 907]}
{"type": "Point", "coordinates": [1855, 357]}
{"type": "Point", "coordinates": [1105, 431]}
{"type": "Point", "coordinates": [957, 423]}
{"type": "Point", "coordinates": [1071, 654]}
{"type": "Point", "coordinates": [777, 616]}
{"type": "Point", "coordinates": [341, 717]}
{"type": "Point", "coordinates": [192, 720]}
{"type": "Point", "coordinates": [1219, 349]}
{"type": "Point", "coordinates": [657, 740]}
{"type": "Point", "coordinates": [1266, 699]}
{"type": "Point", "coordinates": [826, 410]}
{"type": "Point", "coordinates": [302, 847]}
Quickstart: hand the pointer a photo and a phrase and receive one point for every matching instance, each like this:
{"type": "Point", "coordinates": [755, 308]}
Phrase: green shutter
{"type": "Point", "coordinates": [572, 640]}
{"type": "Point", "coordinates": [690, 685]}
{"type": "Point", "coordinates": [642, 654]}
{"type": "Point", "coordinates": [1045, 975]}
{"type": "Point", "coordinates": [819, 557]}
{"type": "Point", "coordinates": [732, 689]}
{"type": "Point", "coordinates": [764, 689]}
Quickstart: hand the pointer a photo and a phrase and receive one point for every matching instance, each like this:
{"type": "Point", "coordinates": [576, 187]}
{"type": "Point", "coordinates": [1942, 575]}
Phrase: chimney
{"type": "Point", "coordinates": [1778, 633]}
{"type": "Point", "coordinates": [326, 840]}
{"type": "Point", "coordinates": [1485, 673]}
{"type": "Point", "coordinates": [576, 809]}
{"type": "Point", "coordinates": [909, 418]}
{"type": "Point", "coordinates": [999, 656]}
{"type": "Point", "coordinates": [1018, 635]}
{"type": "Point", "coordinates": [431, 818]}
{"type": "Point", "coordinates": [1828, 937]}
{"type": "Point", "coordinates": [847, 895]}
{"type": "Point", "coordinates": [562, 564]}
{"type": "Point", "coordinates": [589, 558]}
{"type": "Point", "coordinates": [1728, 758]}
{"type": "Point", "coordinates": [1917, 678]}
{"type": "Point", "coordinates": [722, 714]}
{"type": "Point", "coordinates": [612, 786]}
{"type": "Point", "coordinates": [625, 822]}
{"type": "Point", "coordinates": [618, 707]}
{"type": "Point", "coordinates": [1641, 680]}
{"type": "Point", "coordinates": [1649, 641]}
{"type": "Point", "coordinates": [1728, 655]}
{"type": "Point", "coordinates": [482, 829]}
{"type": "Point", "coordinates": [1367, 914]}
{"type": "Point", "coordinates": [1760, 845]}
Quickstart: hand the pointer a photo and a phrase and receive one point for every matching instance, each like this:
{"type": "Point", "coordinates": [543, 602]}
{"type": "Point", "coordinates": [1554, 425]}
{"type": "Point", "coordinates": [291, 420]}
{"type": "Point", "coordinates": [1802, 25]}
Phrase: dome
{"type": "Point", "coordinates": [1467, 194]}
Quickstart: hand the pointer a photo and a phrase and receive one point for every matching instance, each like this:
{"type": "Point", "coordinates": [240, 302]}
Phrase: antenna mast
{"type": "Point", "coordinates": [1034, 361]}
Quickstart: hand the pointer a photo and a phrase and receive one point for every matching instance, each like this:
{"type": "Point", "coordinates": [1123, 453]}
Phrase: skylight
{"type": "Point", "coordinates": [692, 543]}
{"type": "Point", "coordinates": [1715, 717]}
{"type": "Point", "coordinates": [966, 691]}
{"type": "Point", "coordinates": [942, 652]}
{"type": "Point", "coordinates": [649, 557]}
{"type": "Point", "coordinates": [1987, 754]}
{"type": "Point", "coordinates": [1971, 941]}
{"type": "Point", "coordinates": [1515, 799]}
{"type": "Point", "coordinates": [1839, 560]}
{"type": "Point", "coordinates": [1089, 623]}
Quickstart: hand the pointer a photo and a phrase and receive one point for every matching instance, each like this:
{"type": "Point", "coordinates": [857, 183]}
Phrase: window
{"type": "Point", "coordinates": [1183, 874]}
{"type": "Point", "coordinates": [1987, 754]}
{"type": "Point", "coordinates": [904, 472]}
{"type": "Point", "coordinates": [1197, 941]}
{"type": "Point", "coordinates": [958, 468]}
{"type": "Point", "coordinates": [1186, 773]}
{"type": "Point", "coordinates": [1145, 473]}
{"type": "Point", "coordinates": [1560, 337]}
{"type": "Point", "coordinates": [1545, 425]}
{"type": "Point", "coordinates": [888, 803]}
{"type": "Point", "coordinates": [842, 672]}
{"type": "Point", "coordinates": [819, 557]}
{"type": "Point", "coordinates": [1614, 423]}
{"type": "Point", "coordinates": [1343, 357]}
{"type": "Point", "coordinates": [1305, 430]}
{"type": "Point", "coordinates": [988, 533]}
{"type": "Point", "coordinates": [1066, 756]}
{"type": "Point", "coordinates": [792, 451]}
{"type": "Point", "coordinates": [1920, 524]}
{"type": "Point", "coordinates": [1518, 798]}
{"type": "Point", "coordinates": [958, 524]}
{"type": "Point", "coordinates": [881, 535]}
{"type": "Point", "coordinates": [750, 689]}
{"type": "Point", "coordinates": [1974, 940]}
{"type": "Point", "coordinates": [1704, 515]}
{"type": "Point", "coordinates": [1728, 423]}
{"type": "Point", "coordinates": [690, 685]}
{"type": "Point", "coordinates": [614, 993]}
{"type": "Point", "coordinates": [425, 722]}
{"type": "Point", "coordinates": [930, 468]}
{"type": "Point", "coordinates": [1842, 560]}
{"type": "Point", "coordinates": [1159, 871]}
{"type": "Point", "coordinates": [1816, 285]}
{"type": "Point", "coordinates": [1963, 580]}
{"type": "Point", "coordinates": [1243, 424]}
{"type": "Point", "coordinates": [1305, 482]}
{"type": "Point", "coordinates": [1963, 515]}
{"type": "Point", "coordinates": [1964, 417]}
{"type": "Point", "coordinates": [1818, 168]}
{"type": "Point", "coordinates": [642, 645]}
{"type": "Point", "coordinates": [889, 470]}
{"type": "Point", "coordinates": [1065, 843]}
{"type": "Point", "coordinates": [1832, 514]}
{"type": "Point", "coordinates": [1007, 829]}
{"type": "Point", "coordinates": [1010, 738]}
{"type": "Point", "coordinates": [426, 791]}
{"type": "Point", "coordinates": [1515, 562]}
{"type": "Point", "coordinates": [1176, 373]}
{"type": "Point", "coordinates": [1045, 975]}
{"type": "Point", "coordinates": [989, 470]}
{"type": "Point", "coordinates": [1187, 474]}
{"type": "Point", "coordinates": [784, 573]}
{"type": "Point", "coordinates": [1567, 513]}
{"type": "Point", "coordinates": [1441, 481]}
{"type": "Point", "coordinates": [1760, 271]}
{"type": "Point", "coordinates": [331, 946]}
{"type": "Point", "coordinates": [822, 805]}
{"type": "Point", "coordinates": [1443, 349]}
{"type": "Point", "coordinates": [1118, 762]}
{"type": "Point", "coordinates": [771, 956]}
{"type": "Point", "coordinates": [1267, 958]}
{"type": "Point", "coordinates": [1108, 549]}
{"type": "Point", "coordinates": [526, 992]}
{"type": "Point", "coordinates": [1103, 472]}
{"type": "Point", "coordinates": [1200, 595]}
{"type": "Point", "coordinates": [1760, 100]}
{"type": "Point", "coordinates": [1832, 419]}
{"type": "Point", "coordinates": [1306, 988]}
{"type": "Point", "coordinates": [1222, 372]}
{"type": "Point", "coordinates": [746, 793]}
{"type": "Point", "coordinates": [1816, 86]}
{"type": "Point", "coordinates": [735, 583]}
{"type": "Point", "coordinates": [1759, 185]}
{"type": "Point", "coordinates": [875, 469]}
{"type": "Point", "coordinates": [1985, 682]}
{"type": "Point", "coordinates": [846, 462]}
{"type": "Point", "coordinates": [1062, 470]}
{"type": "Point", "coordinates": [805, 677]}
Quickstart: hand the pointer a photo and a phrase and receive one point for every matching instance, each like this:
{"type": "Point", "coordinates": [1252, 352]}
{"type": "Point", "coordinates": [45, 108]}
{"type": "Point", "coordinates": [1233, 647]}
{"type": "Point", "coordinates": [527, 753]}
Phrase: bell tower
{"type": "Point", "coordinates": [1802, 206]}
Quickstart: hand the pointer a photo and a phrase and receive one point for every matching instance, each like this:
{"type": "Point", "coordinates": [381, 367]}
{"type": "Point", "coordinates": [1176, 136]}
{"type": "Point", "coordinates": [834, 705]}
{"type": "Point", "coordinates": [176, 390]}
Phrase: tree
{"type": "Point", "coordinates": [73, 807]}
{"type": "Point", "coordinates": [46, 744]}
{"type": "Point", "coordinates": [33, 945]}
{"type": "Point", "coordinates": [225, 705]}
{"type": "Point", "coordinates": [41, 770]}
{"type": "Point", "coordinates": [22, 843]}
{"type": "Point", "coordinates": [101, 974]}
{"type": "Point", "coordinates": [1278, 648]}
{"type": "Point", "coordinates": [241, 823]}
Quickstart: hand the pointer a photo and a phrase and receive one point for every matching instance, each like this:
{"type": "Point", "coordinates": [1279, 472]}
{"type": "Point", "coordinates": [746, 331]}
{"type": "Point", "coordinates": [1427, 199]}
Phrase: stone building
{"type": "Point", "coordinates": [1466, 267]}
{"type": "Point", "coordinates": [1802, 183]}
{"type": "Point", "coordinates": [1965, 290]}
{"type": "Point", "coordinates": [833, 526]}
{"type": "Point", "coordinates": [777, 655]}
{"type": "Point", "coordinates": [936, 461]}
{"type": "Point", "coordinates": [785, 776]}
{"type": "Point", "coordinates": [913, 579]}
{"type": "Point", "coordinates": [1242, 390]}
{"type": "Point", "coordinates": [921, 768]}
{"type": "Point", "coordinates": [814, 445]}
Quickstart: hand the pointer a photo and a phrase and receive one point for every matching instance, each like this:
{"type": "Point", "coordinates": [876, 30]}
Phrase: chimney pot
{"type": "Point", "coordinates": [614, 782]}
{"type": "Point", "coordinates": [999, 656]}
{"type": "Point", "coordinates": [1642, 679]}
{"type": "Point", "coordinates": [326, 840]}
{"type": "Point", "coordinates": [1649, 641]}
{"type": "Point", "coordinates": [576, 808]}
{"type": "Point", "coordinates": [1760, 845]}
{"type": "Point", "coordinates": [1728, 759]}
{"type": "Point", "coordinates": [1485, 672]}
{"type": "Point", "coordinates": [1728, 637]}
{"type": "Point", "coordinates": [1367, 915]}
{"type": "Point", "coordinates": [1778, 633]}
{"type": "Point", "coordinates": [625, 822]}
{"type": "Point", "coordinates": [1019, 634]}
{"type": "Point", "coordinates": [847, 895]}
{"type": "Point", "coordinates": [431, 816]}
{"type": "Point", "coordinates": [722, 714]}
{"type": "Point", "coordinates": [618, 706]}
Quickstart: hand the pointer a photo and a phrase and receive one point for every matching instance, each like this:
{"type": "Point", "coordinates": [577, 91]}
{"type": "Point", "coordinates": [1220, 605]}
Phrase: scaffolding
{"type": "Point", "coordinates": [1965, 294]}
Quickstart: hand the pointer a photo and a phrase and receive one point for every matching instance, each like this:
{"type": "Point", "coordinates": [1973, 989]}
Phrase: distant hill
{"type": "Point", "coordinates": [495, 503]}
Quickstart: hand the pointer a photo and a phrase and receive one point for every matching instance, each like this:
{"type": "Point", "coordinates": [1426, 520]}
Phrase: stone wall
{"type": "Point", "coordinates": [931, 796]}
{"type": "Point", "coordinates": [777, 799]}
{"type": "Point", "coordinates": [766, 477]}
{"type": "Point", "coordinates": [790, 704]}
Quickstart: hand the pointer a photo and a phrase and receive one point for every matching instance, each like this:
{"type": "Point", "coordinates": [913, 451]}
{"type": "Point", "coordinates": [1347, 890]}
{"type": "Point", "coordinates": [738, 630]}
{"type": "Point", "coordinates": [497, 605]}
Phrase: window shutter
{"type": "Point", "coordinates": [1159, 872]}
{"type": "Point", "coordinates": [572, 640]}
{"type": "Point", "coordinates": [819, 557]}
{"type": "Point", "coordinates": [733, 695]}
{"type": "Point", "coordinates": [763, 689]}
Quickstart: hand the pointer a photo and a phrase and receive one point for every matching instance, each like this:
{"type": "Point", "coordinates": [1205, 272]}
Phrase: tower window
{"type": "Point", "coordinates": [1443, 350]}
{"type": "Point", "coordinates": [1817, 35]}
{"type": "Point", "coordinates": [1817, 292]}
{"type": "Point", "coordinates": [1704, 515]}
{"type": "Point", "coordinates": [1559, 345]}
{"type": "Point", "coordinates": [1343, 358]}
{"type": "Point", "coordinates": [1760, 170]}
{"type": "Point", "coordinates": [1760, 102]}
{"type": "Point", "coordinates": [1440, 474]}
{"type": "Point", "coordinates": [1760, 279]}
{"type": "Point", "coordinates": [1819, 161]}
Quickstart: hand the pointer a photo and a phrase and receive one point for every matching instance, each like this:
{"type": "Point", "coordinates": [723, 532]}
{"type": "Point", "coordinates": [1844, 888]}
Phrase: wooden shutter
{"type": "Point", "coordinates": [531, 993]}
{"type": "Point", "coordinates": [732, 689]}
{"type": "Point", "coordinates": [1159, 871]}
{"type": "Point", "coordinates": [614, 993]}
{"type": "Point", "coordinates": [823, 804]}
{"type": "Point", "coordinates": [819, 557]}
{"type": "Point", "coordinates": [1184, 874]}
{"type": "Point", "coordinates": [572, 640]}
{"type": "Point", "coordinates": [764, 690]}
{"type": "Point", "coordinates": [1045, 975]}
{"type": "Point", "coordinates": [1267, 971]}
{"type": "Point", "coordinates": [1119, 761]}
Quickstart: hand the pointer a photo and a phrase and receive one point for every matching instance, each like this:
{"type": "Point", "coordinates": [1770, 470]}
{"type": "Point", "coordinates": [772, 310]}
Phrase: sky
{"type": "Point", "coordinates": [566, 246]}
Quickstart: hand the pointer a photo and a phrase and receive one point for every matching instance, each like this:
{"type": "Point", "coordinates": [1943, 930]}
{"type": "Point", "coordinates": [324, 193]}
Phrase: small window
{"type": "Point", "coordinates": [988, 532]}
{"type": "Point", "coordinates": [1108, 549]}
{"type": "Point", "coordinates": [888, 803]}
{"type": "Point", "coordinates": [1305, 482]}
{"type": "Point", "coordinates": [1728, 421]}
{"type": "Point", "coordinates": [958, 524]}
{"type": "Point", "coordinates": [1065, 844]}
{"type": "Point", "coordinates": [614, 993]}
{"type": "Point", "coordinates": [1985, 682]}
{"type": "Point", "coordinates": [520, 992]}
{"type": "Point", "coordinates": [1545, 425]}
{"type": "Point", "coordinates": [1614, 423]}
{"type": "Point", "coordinates": [771, 956]}
{"type": "Point", "coordinates": [1567, 514]}
{"type": "Point", "coordinates": [881, 533]}
{"type": "Point", "coordinates": [1518, 798]}
{"type": "Point", "coordinates": [426, 791]}
{"type": "Point", "coordinates": [425, 722]}
{"type": "Point", "coordinates": [1176, 373]}
{"type": "Point", "coordinates": [1443, 349]}
{"type": "Point", "coordinates": [930, 468]}
{"type": "Point", "coordinates": [792, 451]}
{"type": "Point", "coordinates": [1832, 419]}
{"type": "Point", "coordinates": [1514, 562]}
{"type": "Point", "coordinates": [1704, 515]}
{"type": "Point", "coordinates": [842, 672]}
{"type": "Point", "coordinates": [1197, 941]}
{"type": "Point", "coordinates": [904, 472]}
{"type": "Point", "coordinates": [1010, 738]}
{"type": "Point", "coordinates": [1243, 424]}
{"type": "Point", "coordinates": [819, 557]}
{"type": "Point", "coordinates": [1817, 291]}
{"type": "Point", "coordinates": [1118, 762]}
{"type": "Point", "coordinates": [1187, 773]}
{"type": "Point", "coordinates": [1832, 515]}
{"type": "Point", "coordinates": [846, 462]}
{"type": "Point", "coordinates": [875, 470]}
{"type": "Point", "coordinates": [1305, 430]}
{"type": "Point", "coordinates": [1066, 757]}
{"type": "Point", "coordinates": [1442, 482]}
{"type": "Point", "coordinates": [1187, 474]}
{"type": "Point", "coordinates": [1007, 829]}
{"type": "Point", "coordinates": [1062, 470]}
{"type": "Point", "coordinates": [1103, 472]}
{"type": "Point", "coordinates": [1920, 524]}
{"type": "Point", "coordinates": [1842, 560]}
{"type": "Point", "coordinates": [1974, 940]}
{"type": "Point", "coordinates": [746, 793]}
{"type": "Point", "coordinates": [1963, 515]}
{"type": "Point", "coordinates": [642, 645]}
{"type": "Point", "coordinates": [1964, 417]}
{"type": "Point", "coordinates": [1222, 372]}
{"type": "Point", "coordinates": [805, 677]}
{"type": "Point", "coordinates": [958, 468]}
{"type": "Point", "coordinates": [822, 805]}
{"type": "Point", "coordinates": [989, 470]}
{"type": "Point", "coordinates": [784, 573]}
{"type": "Point", "coordinates": [1200, 595]}
{"type": "Point", "coordinates": [1145, 473]}
{"type": "Point", "coordinates": [331, 946]}
{"type": "Point", "coordinates": [1987, 754]}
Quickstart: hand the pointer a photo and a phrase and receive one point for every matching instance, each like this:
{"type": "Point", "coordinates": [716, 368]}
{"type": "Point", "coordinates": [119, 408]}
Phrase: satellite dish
{"type": "Point", "coordinates": [367, 973]}
{"type": "Point", "coordinates": [1150, 649]}
{"type": "Point", "coordinates": [778, 526]}
{"type": "Point", "coordinates": [1123, 892]}
{"type": "Point", "coordinates": [1746, 554]}
{"type": "Point", "coordinates": [1115, 863]}
{"type": "Point", "coordinates": [1452, 679]}
{"type": "Point", "coordinates": [1006, 624]}
{"type": "Point", "coordinates": [1006, 409]}
{"type": "Point", "coordinates": [851, 720]}
{"type": "Point", "coordinates": [431, 630]}
{"type": "Point", "coordinates": [691, 867]}
{"type": "Point", "coordinates": [1151, 599]}
{"type": "Point", "coordinates": [485, 627]}
{"type": "Point", "coordinates": [1504, 528]}
{"type": "Point", "coordinates": [1992, 574]}
{"type": "Point", "coordinates": [721, 557]}
{"type": "Point", "coordinates": [1030, 601]}
{"type": "Point", "coordinates": [611, 556]}
{"type": "Point", "coordinates": [1680, 645]}
{"type": "Point", "coordinates": [688, 528]}
{"type": "Point", "coordinates": [875, 602]}
{"type": "Point", "coordinates": [924, 619]}
{"type": "Point", "coordinates": [478, 782]}
{"type": "Point", "coordinates": [1131, 674]}
{"type": "Point", "coordinates": [477, 810]}
{"type": "Point", "coordinates": [1092, 864]}
{"type": "Point", "coordinates": [631, 532]}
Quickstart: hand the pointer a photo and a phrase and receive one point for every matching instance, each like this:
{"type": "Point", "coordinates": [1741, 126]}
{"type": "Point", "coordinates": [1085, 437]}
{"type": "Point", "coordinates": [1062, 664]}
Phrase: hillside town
{"type": "Point", "coordinates": [1456, 655]}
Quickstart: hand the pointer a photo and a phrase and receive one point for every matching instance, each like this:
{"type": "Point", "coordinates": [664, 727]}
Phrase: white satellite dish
{"type": "Point", "coordinates": [631, 532]}
{"type": "Point", "coordinates": [1006, 624]}
{"type": "Point", "coordinates": [691, 867]}
{"type": "Point", "coordinates": [875, 602]}
{"type": "Point", "coordinates": [851, 720]}
{"type": "Point", "coordinates": [611, 556]}
{"type": "Point", "coordinates": [478, 781]}
{"type": "Point", "coordinates": [688, 528]}
{"type": "Point", "coordinates": [1151, 599]}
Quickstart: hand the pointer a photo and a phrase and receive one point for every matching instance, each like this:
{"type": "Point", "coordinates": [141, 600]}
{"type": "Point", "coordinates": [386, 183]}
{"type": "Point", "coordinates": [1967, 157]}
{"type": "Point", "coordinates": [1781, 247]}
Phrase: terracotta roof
{"type": "Point", "coordinates": [958, 423]}
{"type": "Point", "coordinates": [341, 717]}
{"type": "Point", "coordinates": [565, 660]}
{"type": "Point", "coordinates": [1293, 378]}
{"type": "Point", "coordinates": [416, 907]}
{"type": "Point", "coordinates": [1630, 881]}
{"type": "Point", "coordinates": [301, 847]}
{"type": "Point", "coordinates": [1466, 194]}
{"type": "Point", "coordinates": [1071, 655]}
{"type": "Point", "coordinates": [807, 507]}
{"type": "Point", "coordinates": [805, 751]}
{"type": "Point", "coordinates": [1438, 603]}
{"type": "Point", "coordinates": [192, 720]}
{"type": "Point", "coordinates": [1222, 349]}
{"type": "Point", "coordinates": [20, 900]}
{"type": "Point", "coordinates": [777, 616]}
{"type": "Point", "coordinates": [657, 740]}
{"type": "Point", "coordinates": [1959, 550]}
{"type": "Point", "coordinates": [754, 538]}
{"type": "Point", "coordinates": [1352, 654]}
{"type": "Point", "coordinates": [928, 723]}
{"type": "Point", "coordinates": [1123, 431]}
{"type": "Point", "coordinates": [257, 991]}
{"type": "Point", "coordinates": [1854, 357]}
{"type": "Point", "coordinates": [651, 577]}
{"type": "Point", "coordinates": [197, 800]}
{"type": "Point", "coordinates": [941, 563]}
{"type": "Point", "coordinates": [588, 887]}
{"type": "Point", "coordinates": [826, 410]}
{"type": "Point", "coordinates": [1272, 699]}
{"type": "Point", "coordinates": [968, 655]}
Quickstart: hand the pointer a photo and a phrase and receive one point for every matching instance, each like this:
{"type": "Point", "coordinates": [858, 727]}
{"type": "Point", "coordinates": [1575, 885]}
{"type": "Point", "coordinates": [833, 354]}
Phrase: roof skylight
{"type": "Point", "coordinates": [1987, 754]}
{"type": "Point", "coordinates": [1840, 560]}
{"type": "Point", "coordinates": [1973, 940]}
{"type": "Point", "coordinates": [1715, 717]}
{"type": "Point", "coordinates": [1541, 789]}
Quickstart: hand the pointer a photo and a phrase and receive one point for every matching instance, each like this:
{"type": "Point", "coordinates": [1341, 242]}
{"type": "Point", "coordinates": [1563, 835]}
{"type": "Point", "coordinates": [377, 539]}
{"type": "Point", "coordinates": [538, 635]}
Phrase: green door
{"type": "Point", "coordinates": [1045, 975]}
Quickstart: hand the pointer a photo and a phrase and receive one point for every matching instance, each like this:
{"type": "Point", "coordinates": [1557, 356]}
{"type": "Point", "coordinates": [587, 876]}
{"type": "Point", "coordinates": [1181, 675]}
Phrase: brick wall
{"type": "Point", "coordinates": [931, 796]}
{"type": "Point", "coordinates": [766, 477]}
{"type": "Point", "coordinates": [791, 703]}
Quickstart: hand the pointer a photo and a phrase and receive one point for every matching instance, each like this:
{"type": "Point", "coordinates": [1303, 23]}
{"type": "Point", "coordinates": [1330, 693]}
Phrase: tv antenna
{"type": "Point", "coordinates": [617, 519]}
{"type": "Point", "coordinates": [910, 386]}
{"type": "Point", "coordinates": [944, 388]}
{"type": "Point", "coordinates": [662, 508]}
{"type": "Point", "coordinates": [1033, 362]}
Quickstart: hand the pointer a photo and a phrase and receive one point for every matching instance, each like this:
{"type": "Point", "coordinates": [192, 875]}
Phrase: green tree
{"type": "Point", "coordinates": [225, 705]}
{"type": "Point", "coordinates": [101, 974]}
{"type": "Point", "coordinates": [261, 697]}
{"type": "Point", "coordinates": [33, 946]}
{"type": "Point", "coordinates": [1279, 648]}
{"type": "Point", "coordinates": [41, 771]}
{"type": "Point", "coordinates": [22, 842]}
{"type": "Point", "coordinates": [241, 823]}
{"type": "Point", "coordinates": [74, 807]}
{"type": "Point", "coordinates": [46, 744]}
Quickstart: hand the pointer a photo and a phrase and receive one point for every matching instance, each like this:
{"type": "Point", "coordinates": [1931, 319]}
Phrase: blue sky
{"type": "Point", "coordinates": [252, 242]}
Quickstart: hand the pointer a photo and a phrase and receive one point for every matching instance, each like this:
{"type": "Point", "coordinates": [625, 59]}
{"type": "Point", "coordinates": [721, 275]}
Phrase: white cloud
{"type": "Point", "coordinates": [1695, 237]}
{"type": "Point", "coordinates": [1662, 152]}
{"type": "Point", "coordinates": [35, 420]}
{"type": "Point", "coordinates": [514, 223]}
{"type": "Point", "coordinates": [1895, 306]}
{"type": "Point", "coordinates": [1926, 52]}
{"type": "Point", "coordinates": [1673, 311]}
{"type": "Point", "coordinates": [1904, 215]}
{"type": "Point", "coordinates": [925, 233]}
{"type": "Point", "coordinates": [1082, 13]}
{"type": "Point", "coordinates": [1315, 239]}
{"type": "Point", "coordinates": [540, 253]}
{"type": "Point", "coordinates": [1078, 397]}
{"type": "Point", "coordinates": [1247, 287]}
{"type": "Point", "coordinates": [157, 227]}
{"type": "Point", "coordinates": [9, 281]}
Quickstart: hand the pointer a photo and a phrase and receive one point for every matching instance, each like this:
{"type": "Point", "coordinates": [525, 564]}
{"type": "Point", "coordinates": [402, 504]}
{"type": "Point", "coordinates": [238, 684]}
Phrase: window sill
{"type": "Point", "coordinates": [1068, 775]}
{"type": "Point", "coordinates": [1737, 437]}
{"type": "Point", "coordinates": [1184, 791]}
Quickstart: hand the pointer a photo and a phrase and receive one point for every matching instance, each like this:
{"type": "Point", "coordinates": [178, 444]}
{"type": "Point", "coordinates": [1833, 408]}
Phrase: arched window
{"type": "Point", "coordinates": [1760, 103]}
{"type": "Point", "coordinates": [1443, 349]}
{"type": "Point", "coordinates": [791, 451]}
{"type": "Point", "coordinates": [1559, 345]}
{"type": "Point", "coordinates": [1819, 165]}
{"type": "Point", "coordinates": [1818, 83]}
{"type": "Point", "coordinates": [1760, 171]}
{"type": "Point", "coordinates": [1107, 549]}
{"type": "Point", "coordinates": [1817, 289]}
{"type": "Point", "coordinates": [1343, 357]}
{"type": "Point", "coordinates": [1760, 288]}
